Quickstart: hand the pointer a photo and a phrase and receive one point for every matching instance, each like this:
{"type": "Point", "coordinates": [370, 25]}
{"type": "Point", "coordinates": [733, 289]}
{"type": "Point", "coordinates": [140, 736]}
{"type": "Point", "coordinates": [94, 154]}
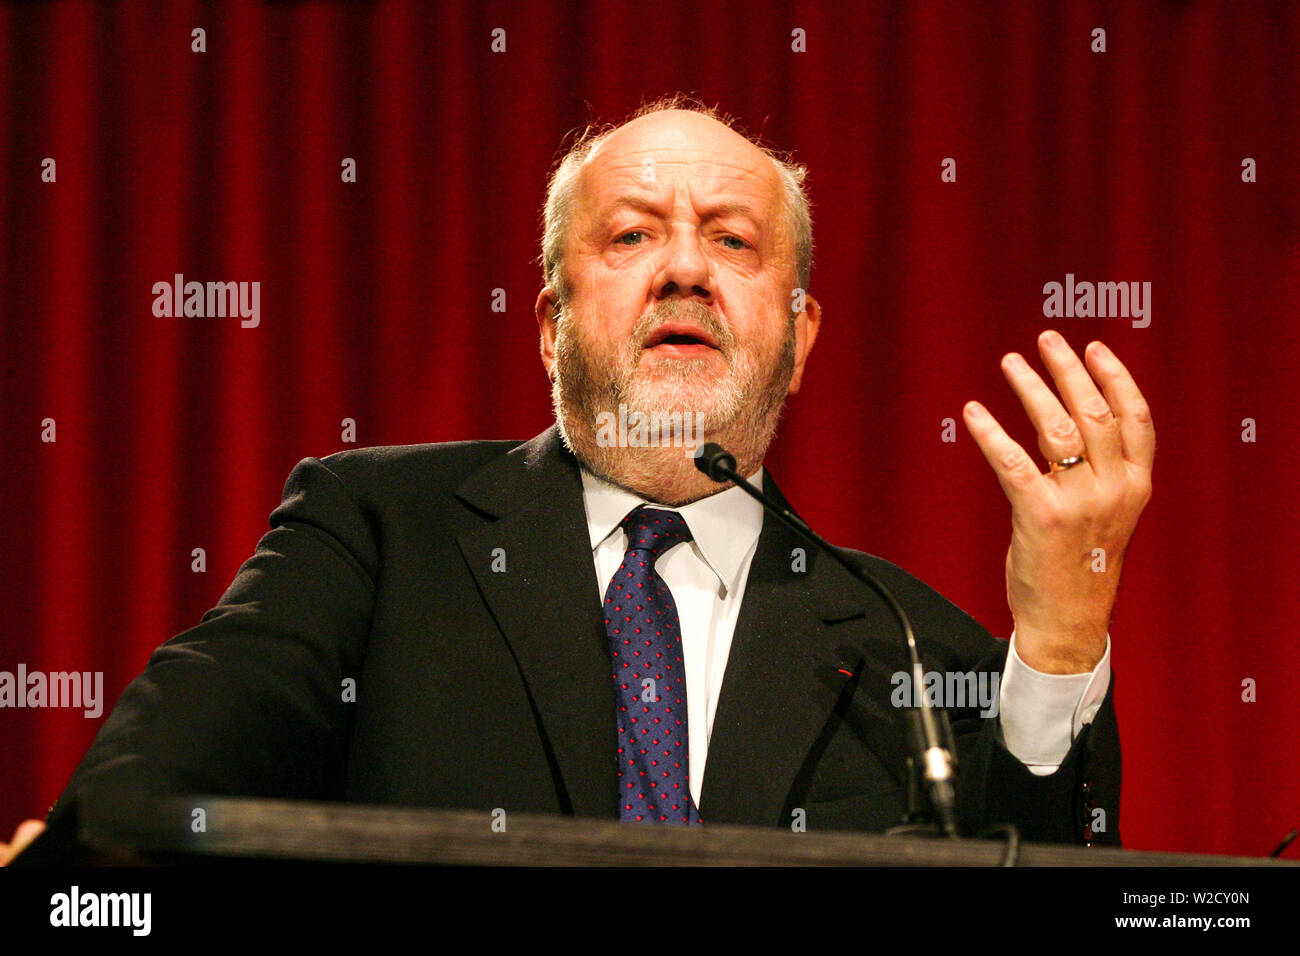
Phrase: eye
{"type": "Point", "coordinates": [632, 238]}
{"type": "Point", "coordinates": [739, 243]}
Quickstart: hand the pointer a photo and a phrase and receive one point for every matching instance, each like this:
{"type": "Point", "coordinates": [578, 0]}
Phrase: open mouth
{"type": "Point", "coordinates": [681, 340]}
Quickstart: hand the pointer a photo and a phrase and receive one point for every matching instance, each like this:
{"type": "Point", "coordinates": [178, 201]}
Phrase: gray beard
{"type": "Point", "coordinates": [741, 412]}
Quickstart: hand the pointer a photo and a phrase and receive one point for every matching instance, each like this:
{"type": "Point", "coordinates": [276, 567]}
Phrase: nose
{"type": "Point", "coordinates": [686, 269]}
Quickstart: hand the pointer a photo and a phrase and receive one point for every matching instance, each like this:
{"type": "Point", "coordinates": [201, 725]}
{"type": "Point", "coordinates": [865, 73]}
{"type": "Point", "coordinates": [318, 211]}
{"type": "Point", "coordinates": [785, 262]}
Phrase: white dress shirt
{"type": "Point", "coordinates": [1040, 714]}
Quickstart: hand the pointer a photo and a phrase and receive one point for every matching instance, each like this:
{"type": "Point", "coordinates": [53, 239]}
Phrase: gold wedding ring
{"type": "Point", "coordinates": [1065, 464]}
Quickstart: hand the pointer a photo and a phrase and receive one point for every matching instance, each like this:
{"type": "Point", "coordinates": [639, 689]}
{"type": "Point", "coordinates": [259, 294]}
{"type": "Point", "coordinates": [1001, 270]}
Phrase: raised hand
{"type": "Point", "coordinates": [1099, 446]}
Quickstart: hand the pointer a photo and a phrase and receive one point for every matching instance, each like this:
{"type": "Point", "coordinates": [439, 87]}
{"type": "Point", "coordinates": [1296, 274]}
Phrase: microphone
{"type": "Point", "coordinates": [930, 733]}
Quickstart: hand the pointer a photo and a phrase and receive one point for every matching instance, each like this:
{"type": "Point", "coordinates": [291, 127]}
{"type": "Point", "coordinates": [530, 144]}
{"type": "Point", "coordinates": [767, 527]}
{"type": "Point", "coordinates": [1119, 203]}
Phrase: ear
{"type": "Point", "coordinates": [806, 325]}
{"type": "Point", "coordinates": [546, 309]}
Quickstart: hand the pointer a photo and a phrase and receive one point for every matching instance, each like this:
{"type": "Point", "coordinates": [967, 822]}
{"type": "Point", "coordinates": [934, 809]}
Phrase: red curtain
{"type": "Point", "coordinates": [376, 305]}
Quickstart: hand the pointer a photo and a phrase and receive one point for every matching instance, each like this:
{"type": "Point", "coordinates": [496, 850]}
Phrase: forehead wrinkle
{"type": "Point", "coordinates": [763, 174]}
{"type": "Point", "coordinates": [745, 199]}
{"type": "Point", "coordinates": [618, 158]}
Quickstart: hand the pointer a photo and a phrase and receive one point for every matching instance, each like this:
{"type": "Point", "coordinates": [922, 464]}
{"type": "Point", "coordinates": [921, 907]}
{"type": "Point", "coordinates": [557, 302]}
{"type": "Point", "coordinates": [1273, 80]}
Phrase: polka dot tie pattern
{"type": "Point", "coordinates": [649, 675]}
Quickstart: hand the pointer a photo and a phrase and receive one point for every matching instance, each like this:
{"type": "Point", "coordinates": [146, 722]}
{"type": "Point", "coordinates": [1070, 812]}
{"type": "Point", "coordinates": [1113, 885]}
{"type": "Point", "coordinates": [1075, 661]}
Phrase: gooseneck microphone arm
{"type": "Point", "coordinates": [930, 732]}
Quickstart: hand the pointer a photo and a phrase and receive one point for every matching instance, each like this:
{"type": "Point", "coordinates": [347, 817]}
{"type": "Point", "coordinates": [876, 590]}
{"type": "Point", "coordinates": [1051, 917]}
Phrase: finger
{"type": "Point", "coordinates": [1058, 435]}
{"type": "Point", "coordinates": [1091, 412]}
{"type": "Point", "coordinates": [1016, 471]}
{"type": "Point", "coordinates": [27, 831]}
{"type": "Point", "coordinates": [1137, 432]}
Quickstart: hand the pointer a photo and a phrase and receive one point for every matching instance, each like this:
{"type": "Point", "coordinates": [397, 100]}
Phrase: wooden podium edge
{"type": "Point", "coordinates": [214, 829]}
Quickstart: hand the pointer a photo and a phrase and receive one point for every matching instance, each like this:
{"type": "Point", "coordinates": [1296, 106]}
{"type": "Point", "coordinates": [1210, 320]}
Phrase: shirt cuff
{"type": "Point", "coordinates": [1041, 714]}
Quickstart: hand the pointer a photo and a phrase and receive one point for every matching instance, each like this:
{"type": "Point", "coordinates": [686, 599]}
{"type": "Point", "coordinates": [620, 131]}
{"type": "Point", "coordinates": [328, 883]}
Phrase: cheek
{"type": "Point", "coordinates": [764, 331]}
{"type": "Point", "coordinates": [599, 341]}
{"type": "Point", "coordinates": [611, 311]}
{"type": "Point", "coordinates": [625, 279]}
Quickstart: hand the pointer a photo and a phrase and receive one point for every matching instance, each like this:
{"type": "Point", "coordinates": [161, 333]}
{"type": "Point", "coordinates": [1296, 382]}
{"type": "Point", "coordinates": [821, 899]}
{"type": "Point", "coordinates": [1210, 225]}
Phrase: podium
{"type": "Point", "coordinates": [200, 830]}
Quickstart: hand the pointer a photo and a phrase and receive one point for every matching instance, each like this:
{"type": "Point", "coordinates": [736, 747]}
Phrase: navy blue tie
{"type": "Point", "coordinates": [649, 675]}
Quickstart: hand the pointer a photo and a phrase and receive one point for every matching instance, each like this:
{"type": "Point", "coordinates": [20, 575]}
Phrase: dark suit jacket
{"type": "Point", "coordinates": [483, 688]}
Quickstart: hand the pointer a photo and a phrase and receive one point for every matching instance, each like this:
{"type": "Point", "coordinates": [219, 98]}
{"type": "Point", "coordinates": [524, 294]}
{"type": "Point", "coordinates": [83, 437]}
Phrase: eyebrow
{"type": "Point", "coordinates": [721, 211]}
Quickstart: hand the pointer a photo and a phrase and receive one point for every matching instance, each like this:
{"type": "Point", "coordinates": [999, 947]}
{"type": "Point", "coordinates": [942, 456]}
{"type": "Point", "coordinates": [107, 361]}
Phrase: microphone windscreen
{"type": "Point", "coordinates": [716, 462]}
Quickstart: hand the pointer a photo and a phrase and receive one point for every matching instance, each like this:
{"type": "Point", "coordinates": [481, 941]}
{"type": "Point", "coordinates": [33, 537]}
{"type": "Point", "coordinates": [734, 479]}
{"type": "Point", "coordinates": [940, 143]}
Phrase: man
{"type": "Point", "coordinates": [587, 625]}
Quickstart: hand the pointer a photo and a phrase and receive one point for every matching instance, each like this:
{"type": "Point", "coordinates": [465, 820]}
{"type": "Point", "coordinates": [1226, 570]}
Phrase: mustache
{"type": "Point", "coordinates": [678, 310]}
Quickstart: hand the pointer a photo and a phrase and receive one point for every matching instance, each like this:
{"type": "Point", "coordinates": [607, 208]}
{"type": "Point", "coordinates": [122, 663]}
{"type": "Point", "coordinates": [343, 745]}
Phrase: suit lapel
{"type": "Point", "coordinates": [547, 604]}
{"type": "Point", "coordinates": [784, 675]}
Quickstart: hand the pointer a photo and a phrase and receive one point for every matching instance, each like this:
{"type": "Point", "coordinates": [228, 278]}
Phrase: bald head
{"type": "Point", "coordinates": [674, 133]}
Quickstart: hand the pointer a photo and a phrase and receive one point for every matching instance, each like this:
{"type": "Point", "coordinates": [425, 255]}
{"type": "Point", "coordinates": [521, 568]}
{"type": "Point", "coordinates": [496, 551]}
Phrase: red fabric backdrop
{"type": "Point", "coordinates": [175, 434]}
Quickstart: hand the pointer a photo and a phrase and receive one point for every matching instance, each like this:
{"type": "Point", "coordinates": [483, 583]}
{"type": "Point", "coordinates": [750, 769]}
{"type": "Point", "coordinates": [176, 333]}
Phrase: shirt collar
{"type": "Point", "coordinates": [724, 526]}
